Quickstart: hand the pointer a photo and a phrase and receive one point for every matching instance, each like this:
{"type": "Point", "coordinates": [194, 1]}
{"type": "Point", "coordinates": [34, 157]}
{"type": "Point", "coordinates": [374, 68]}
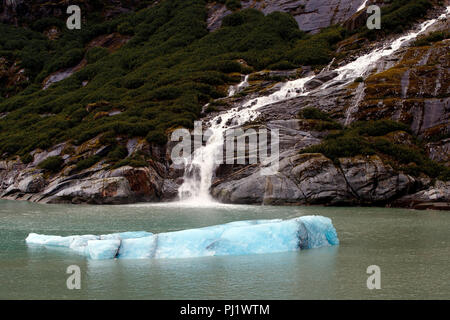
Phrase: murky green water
{"type": "Point", "coordinates": [412, 248]}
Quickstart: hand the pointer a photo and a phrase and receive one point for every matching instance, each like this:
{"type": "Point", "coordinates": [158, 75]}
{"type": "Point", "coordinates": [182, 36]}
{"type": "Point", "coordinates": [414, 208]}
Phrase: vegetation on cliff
{"type": "Point", "coordinates": [392, 141]}
{"type": "Point", "coordinates": [397, 16]}
{"type": "Point", "coordinates": [158, 81]}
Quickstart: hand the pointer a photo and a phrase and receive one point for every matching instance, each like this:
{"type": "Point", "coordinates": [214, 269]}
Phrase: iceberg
{"type": "Point", "coordinates": [103, 249]}
{"type": "Point", "coordinates": [235, 238]}
{"type": "Point", "coordinates": [139, 248]}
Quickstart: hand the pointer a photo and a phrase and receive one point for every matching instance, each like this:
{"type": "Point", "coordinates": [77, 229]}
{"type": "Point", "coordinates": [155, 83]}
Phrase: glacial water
{"type": "Point", "coordinates": [411, 248]}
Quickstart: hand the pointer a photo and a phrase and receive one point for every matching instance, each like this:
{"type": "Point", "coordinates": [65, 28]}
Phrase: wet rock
{"type": "Point", "coordinates": [16, 179]}
{"type": "Point", "coordinates": [244, 191]}
{"type": "Point", "coordinates": [439, 151]}
{"type": "Point", "coordinates": [169, 190]}
{"type": "Point", "coordinates": [359, 19]}
{"type": "Point", "coordinates": [276, 75]}
{"type": "Point", "coordinates": [96, 185]}
{"type": "Point", "coordinates": [372, 181]}
{"type": "Point", "coordinates": [122, 185]}
{"type": "Point", "coordinates": [32, 184]}
{"type": "Point", "coordinates": [435, 197]}
{"type": "Point", "coordinates": [99, 191]}
{"type": "Point", "coordinates": [320, 79]}
{"type": "Point", "coordinates": [40, 156]}
{"type": "Point", "coordinates": [318, 179]}
{"type": "Point", "coordinates": [412, 90]}
{"type": "Point", "coordinates": [216, 13]}
{"type": "Point", "coordinates": [327, 76]}
{"type": "Point", "coordinates": [315, 179]}
{"type": "Point", "coordinates": [313, 84]}
{"type": "Point", "coordinates": [62, 74]}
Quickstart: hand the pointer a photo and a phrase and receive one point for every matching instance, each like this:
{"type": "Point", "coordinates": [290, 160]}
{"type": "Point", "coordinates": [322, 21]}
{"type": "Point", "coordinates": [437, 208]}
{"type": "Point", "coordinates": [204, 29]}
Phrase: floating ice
{"type": "Point", "coordinates": [235, 238]}
{"type": "Point", "coordinates": [140, 248]}
{"type": "Point", "coordinates": [103, 249]}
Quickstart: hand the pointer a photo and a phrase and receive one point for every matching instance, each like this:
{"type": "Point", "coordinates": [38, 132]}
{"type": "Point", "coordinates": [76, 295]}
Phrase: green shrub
{"type": "Point", "coordinates": [402, 154]}
{"type": "Point", "coordinates": [158, 137]}
{"type": "Point", "coordinates": [282, 65]}
{"type": "Point", "coordinates": [432, 37]}
{"type": "Point", "coordinates": [379, 127]}
{"type": "Point", "coordinates": [125, 28]}
{"type": "Point", "coordinates": [233, 5]}
{"type": "Point", "coordinates": [95, 54]}
{"type": "Point", "coordinates": [321, 120]}
{"type": "Point", "coordinates": [342, 146]}
{"type": "Point", "coordinates": [52, 164]}
{"type": "Point", "coordinates": [45, 23]}
{"type": "Point", "coordinates": [87, 163]}
{"type": "Point", "coordinates": [398, 16]}
{"type": "Point", "coordinates": [160, 79]}
{"type": "Point", "coordinates": [444, 174]}
{"type": "Point", "coordinates": [70, 59]}
{"type": "Point", "coordinates": [311, 52]}
{"type": "Point", "coordinates": [366, 138]}
{"type": "Point", "coordinates": [314, 113]}
{"type": "Point", "coordinates": [135, 163]}
{"type": "Point", "coordinates": [228, 66]}
{"type": "Point", "coordinates": [108, 138]}
{"type": "Point", "coordinates": [320, 125]}
{"type": "Point", "coordinates": [118, 153]}
{"type": "Point", "coordinates": [26, 159]}
{"type": "Point", "coordinates": [211, 108]}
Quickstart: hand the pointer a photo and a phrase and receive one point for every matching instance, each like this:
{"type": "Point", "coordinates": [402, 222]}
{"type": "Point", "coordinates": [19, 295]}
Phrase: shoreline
{"type": "Point", "coordinates": [419, 206]}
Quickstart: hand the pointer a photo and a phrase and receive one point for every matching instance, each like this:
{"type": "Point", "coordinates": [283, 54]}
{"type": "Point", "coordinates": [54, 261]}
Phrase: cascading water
{"type": "Point", "coordinates": [364, 64]}
{"type": "Point", "coordinates": [236, 89]}
{"type": "Point", "coordinates": [362, 6]}
{"type": "Point", "coordinates": [200, 167]}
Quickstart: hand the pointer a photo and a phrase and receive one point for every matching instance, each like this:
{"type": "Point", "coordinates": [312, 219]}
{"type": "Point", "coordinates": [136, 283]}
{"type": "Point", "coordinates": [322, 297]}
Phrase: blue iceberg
{"type": "Point", "coordinates": [103, 249]}
{"type": "Point", "coordinates": [235, 238]}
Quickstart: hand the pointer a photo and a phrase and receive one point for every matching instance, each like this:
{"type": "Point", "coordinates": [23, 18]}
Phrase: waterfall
{"type": "Point", "coordinates": [362, 6]}
{"type": "Point", "coordinates": [365, 64]}
{"type": "Point", "coordinates": [236, 89]}
{"type": "Point", "coordinates": [199, 169]}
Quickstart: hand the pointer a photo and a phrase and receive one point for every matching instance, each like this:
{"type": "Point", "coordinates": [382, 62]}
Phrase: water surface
{"type": "Point", "coordinates": [411, 248]}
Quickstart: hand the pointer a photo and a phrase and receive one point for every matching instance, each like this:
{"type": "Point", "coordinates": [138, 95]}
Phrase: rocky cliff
{"type": "Point", "coordinates": [410, 86]}
{"type": "Point", "coordinates": [311, 15]}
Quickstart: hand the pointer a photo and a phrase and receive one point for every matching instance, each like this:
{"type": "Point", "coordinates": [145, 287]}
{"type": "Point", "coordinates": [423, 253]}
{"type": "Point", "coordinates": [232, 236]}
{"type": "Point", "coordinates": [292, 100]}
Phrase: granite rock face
{"type": "Point", "coordinates": [122, 185]}
{"type": "Point", "coordinates": [98, 184]}
{"type": "Point", "coordinates": [314, 179]}
{"type": "Point", "coordinates": [414, 89]}
{"type": "Point", "coordinates": [408, 86]}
